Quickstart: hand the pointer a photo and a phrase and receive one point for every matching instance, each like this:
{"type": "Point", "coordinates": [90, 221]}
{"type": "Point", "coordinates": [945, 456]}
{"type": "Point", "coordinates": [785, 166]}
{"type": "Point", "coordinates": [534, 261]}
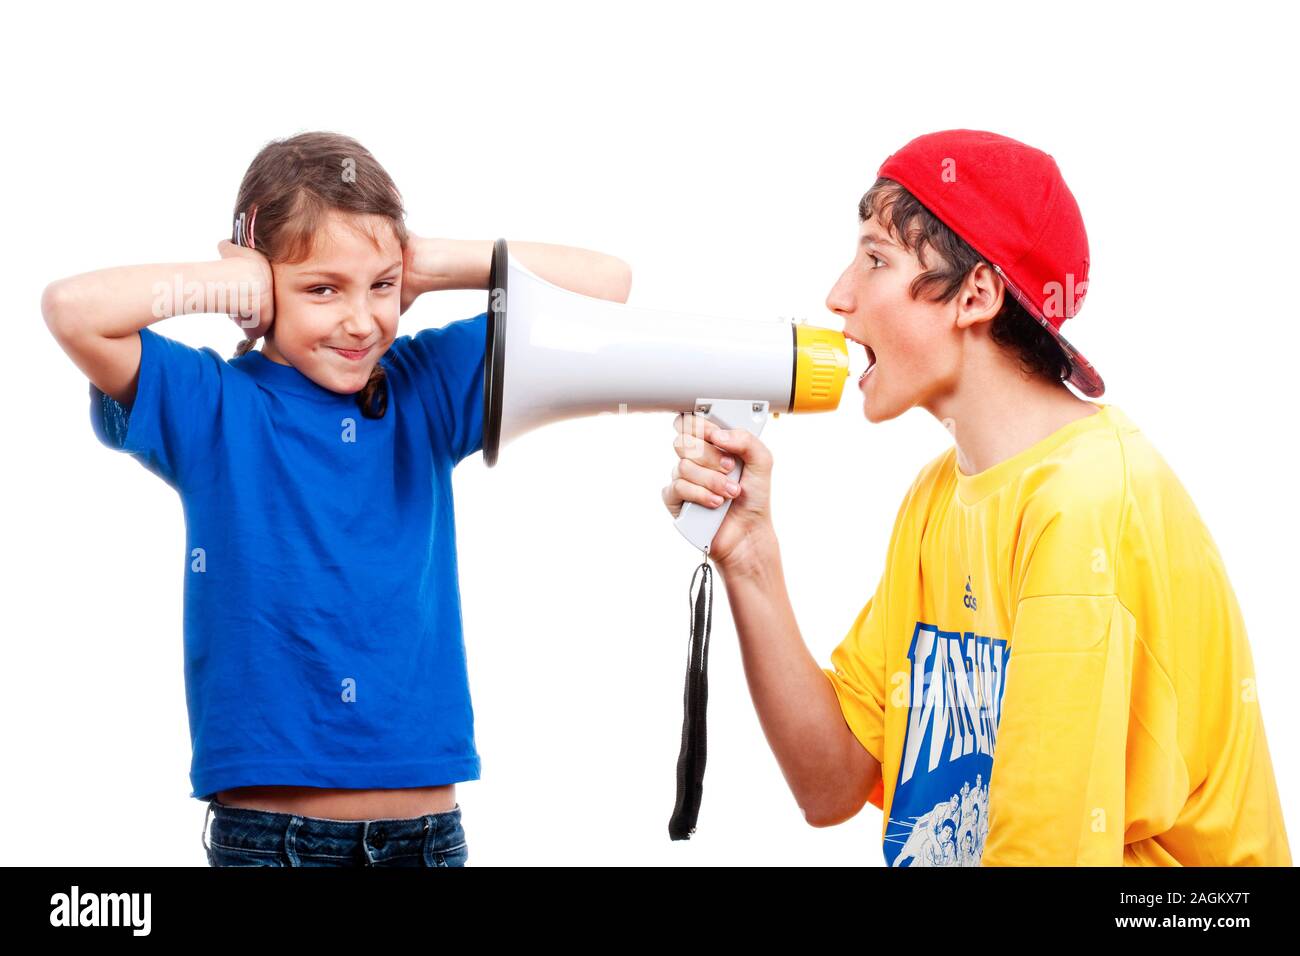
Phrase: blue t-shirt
{"type": "Point", "coordinates": [323, 641]}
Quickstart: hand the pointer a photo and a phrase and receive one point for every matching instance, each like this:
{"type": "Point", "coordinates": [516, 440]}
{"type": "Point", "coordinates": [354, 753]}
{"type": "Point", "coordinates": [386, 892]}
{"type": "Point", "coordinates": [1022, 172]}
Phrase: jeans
{"type": "Point", "coordinates": [243, 837]}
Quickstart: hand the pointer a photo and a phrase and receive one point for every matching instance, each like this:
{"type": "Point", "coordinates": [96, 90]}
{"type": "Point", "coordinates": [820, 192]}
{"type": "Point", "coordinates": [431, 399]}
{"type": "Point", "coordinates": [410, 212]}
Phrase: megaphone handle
{"type": "Point", "coordinates": [697, 523]}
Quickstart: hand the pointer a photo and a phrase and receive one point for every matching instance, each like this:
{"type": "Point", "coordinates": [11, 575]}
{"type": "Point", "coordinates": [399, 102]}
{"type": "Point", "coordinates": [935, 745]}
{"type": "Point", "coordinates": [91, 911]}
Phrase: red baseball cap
{"type": "Point", "coordinates": [1009, 202]}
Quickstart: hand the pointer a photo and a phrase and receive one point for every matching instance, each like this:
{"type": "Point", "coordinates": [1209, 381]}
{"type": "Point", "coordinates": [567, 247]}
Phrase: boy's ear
{"type": "Point", "coordinates": [980, 296]}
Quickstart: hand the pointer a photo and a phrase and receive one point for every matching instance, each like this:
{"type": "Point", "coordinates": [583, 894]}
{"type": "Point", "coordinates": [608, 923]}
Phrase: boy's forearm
{"type": "Point", "coordinates": [797, 707]}
{"type": "Point", "coordinates": [465, 264]}
{"type": "Point", "coordinates": [118, 301]}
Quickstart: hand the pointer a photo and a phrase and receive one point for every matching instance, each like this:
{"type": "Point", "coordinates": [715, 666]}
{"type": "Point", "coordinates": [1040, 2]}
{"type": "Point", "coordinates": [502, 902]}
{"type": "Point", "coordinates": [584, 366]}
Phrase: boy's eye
{"type": "Point", "coordinates": [318, 288]}
{"type": "Point", "coordinates": [876, 259]}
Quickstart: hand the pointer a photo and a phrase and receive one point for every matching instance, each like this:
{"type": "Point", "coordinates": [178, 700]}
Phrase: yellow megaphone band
{"type": "Point", "coordinates": [821, 363]}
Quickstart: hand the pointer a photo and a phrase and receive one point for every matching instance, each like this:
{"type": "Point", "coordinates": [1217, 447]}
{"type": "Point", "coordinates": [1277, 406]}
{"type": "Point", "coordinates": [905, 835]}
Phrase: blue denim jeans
{"type": "Point", "coordinates": [243, 837]}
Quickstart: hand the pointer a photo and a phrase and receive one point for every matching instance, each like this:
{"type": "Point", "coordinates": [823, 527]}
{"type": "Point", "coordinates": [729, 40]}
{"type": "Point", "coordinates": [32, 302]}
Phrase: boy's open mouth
{"type": "Point", "coordinates": [871, 357]}
{"type": "Point", "coordinates": [871, 363]}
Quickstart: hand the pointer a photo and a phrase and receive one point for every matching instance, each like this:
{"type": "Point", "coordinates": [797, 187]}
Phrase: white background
{"type": "Point", "coordinates": [720, 150]}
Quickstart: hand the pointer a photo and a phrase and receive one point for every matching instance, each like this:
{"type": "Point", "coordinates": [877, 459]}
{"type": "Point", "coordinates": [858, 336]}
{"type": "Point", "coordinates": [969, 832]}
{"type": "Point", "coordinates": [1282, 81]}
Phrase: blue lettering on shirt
{"type": "Point", "coordinates": [939, 812]}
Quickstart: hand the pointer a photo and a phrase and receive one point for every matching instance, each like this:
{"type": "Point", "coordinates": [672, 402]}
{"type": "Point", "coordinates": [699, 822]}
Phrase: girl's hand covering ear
{"type": "Point", "coordinates": [253, 298]}
{"type": "Point", "coordinates": [706, 454]}
{"type": "Point", "coordinates": [417, 264]}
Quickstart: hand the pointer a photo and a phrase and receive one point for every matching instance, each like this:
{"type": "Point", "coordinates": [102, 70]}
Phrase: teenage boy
{"type": "Point", "coordinates": [1053, 669]}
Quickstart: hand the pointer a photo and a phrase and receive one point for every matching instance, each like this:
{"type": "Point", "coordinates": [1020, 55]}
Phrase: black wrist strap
{"type": "Point", "coordinates": [690, 762]}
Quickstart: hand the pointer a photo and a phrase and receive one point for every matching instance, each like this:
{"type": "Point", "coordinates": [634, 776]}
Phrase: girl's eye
{"type": "Point", "coordinates": [876, 259]}
{"type": "Point", "coordinates": [384, 284]}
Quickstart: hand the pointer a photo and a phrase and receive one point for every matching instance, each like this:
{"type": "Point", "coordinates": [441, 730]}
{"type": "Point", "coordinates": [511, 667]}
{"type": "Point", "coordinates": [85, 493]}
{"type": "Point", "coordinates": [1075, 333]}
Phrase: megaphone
{"type": "Point", "coordinates": [553, 354]}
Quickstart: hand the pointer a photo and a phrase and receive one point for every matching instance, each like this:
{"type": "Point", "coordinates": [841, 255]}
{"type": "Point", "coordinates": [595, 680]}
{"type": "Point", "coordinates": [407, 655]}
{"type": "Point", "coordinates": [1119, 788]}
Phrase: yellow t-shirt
{"type": "Point", "coordinates": [1067, 613]}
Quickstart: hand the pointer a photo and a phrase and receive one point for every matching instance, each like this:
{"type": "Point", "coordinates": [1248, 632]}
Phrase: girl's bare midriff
{"type": "Point", "coordinates": [343, 804]}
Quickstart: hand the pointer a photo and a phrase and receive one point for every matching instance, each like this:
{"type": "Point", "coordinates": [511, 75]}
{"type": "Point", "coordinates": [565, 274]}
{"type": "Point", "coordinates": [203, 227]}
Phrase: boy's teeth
{"type": "Point", "coordinates": [871, 363]}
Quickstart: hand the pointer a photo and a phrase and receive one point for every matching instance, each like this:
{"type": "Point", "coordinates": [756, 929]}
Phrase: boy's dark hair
{"type": "Point", "coordinates": [293, 183]}
{"type": "Point", "coordinates": [903, 215]}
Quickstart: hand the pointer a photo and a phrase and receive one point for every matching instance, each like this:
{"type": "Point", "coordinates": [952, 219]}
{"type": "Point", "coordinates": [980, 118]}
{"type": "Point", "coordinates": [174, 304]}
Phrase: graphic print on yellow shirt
{"type": "Point", "coordinates": [1054, 670]}
{"type": "Point", "coordinates": [939, 815]}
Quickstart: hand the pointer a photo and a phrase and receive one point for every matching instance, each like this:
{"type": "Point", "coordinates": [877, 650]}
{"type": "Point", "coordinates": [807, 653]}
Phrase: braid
{"type": "Point", "coordinates": [373, 398]}
{"type": "Point", "coordinates": [244, 346]}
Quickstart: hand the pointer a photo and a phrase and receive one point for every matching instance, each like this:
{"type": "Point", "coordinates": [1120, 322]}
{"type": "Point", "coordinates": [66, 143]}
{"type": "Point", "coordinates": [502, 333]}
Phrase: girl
{"type": "Point", "coordinates": [325, 672]}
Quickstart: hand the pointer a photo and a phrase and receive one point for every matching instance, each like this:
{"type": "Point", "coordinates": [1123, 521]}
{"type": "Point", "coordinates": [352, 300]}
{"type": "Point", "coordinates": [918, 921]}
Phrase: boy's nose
{"type": "Point", "coordinates": [838, 299]}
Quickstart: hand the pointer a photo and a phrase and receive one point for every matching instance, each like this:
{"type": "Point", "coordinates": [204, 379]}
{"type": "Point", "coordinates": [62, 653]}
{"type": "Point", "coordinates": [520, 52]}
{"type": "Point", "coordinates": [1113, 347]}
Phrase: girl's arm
{"type": "Point", "coordinates": [95, 316]}
{"type": "Point", "coordinates": [435, 264]}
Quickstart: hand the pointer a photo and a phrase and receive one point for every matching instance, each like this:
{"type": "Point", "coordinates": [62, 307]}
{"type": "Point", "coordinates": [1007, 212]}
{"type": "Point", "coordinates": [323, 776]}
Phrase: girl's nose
{"type": "Point", "coordinates": [358, 323]}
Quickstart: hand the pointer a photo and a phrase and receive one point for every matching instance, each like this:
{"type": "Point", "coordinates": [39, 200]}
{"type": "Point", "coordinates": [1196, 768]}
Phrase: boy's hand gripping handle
{"type": "Point", "coordinates": [697, 523]}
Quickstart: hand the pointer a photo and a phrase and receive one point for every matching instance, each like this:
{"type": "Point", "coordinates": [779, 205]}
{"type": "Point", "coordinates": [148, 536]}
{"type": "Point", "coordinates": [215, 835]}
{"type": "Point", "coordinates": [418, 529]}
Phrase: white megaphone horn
{"type": "Point", "coordinates": [553, 354]}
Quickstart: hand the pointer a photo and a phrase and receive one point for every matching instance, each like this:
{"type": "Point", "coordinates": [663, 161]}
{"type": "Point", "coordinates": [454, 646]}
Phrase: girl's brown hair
{"type": "Point", "coordinates": [293, 183]}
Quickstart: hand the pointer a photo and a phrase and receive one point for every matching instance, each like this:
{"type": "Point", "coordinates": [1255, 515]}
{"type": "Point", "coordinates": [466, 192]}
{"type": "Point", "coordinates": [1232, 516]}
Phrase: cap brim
{"type": "Point", "coordinates": [1082, 375]}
